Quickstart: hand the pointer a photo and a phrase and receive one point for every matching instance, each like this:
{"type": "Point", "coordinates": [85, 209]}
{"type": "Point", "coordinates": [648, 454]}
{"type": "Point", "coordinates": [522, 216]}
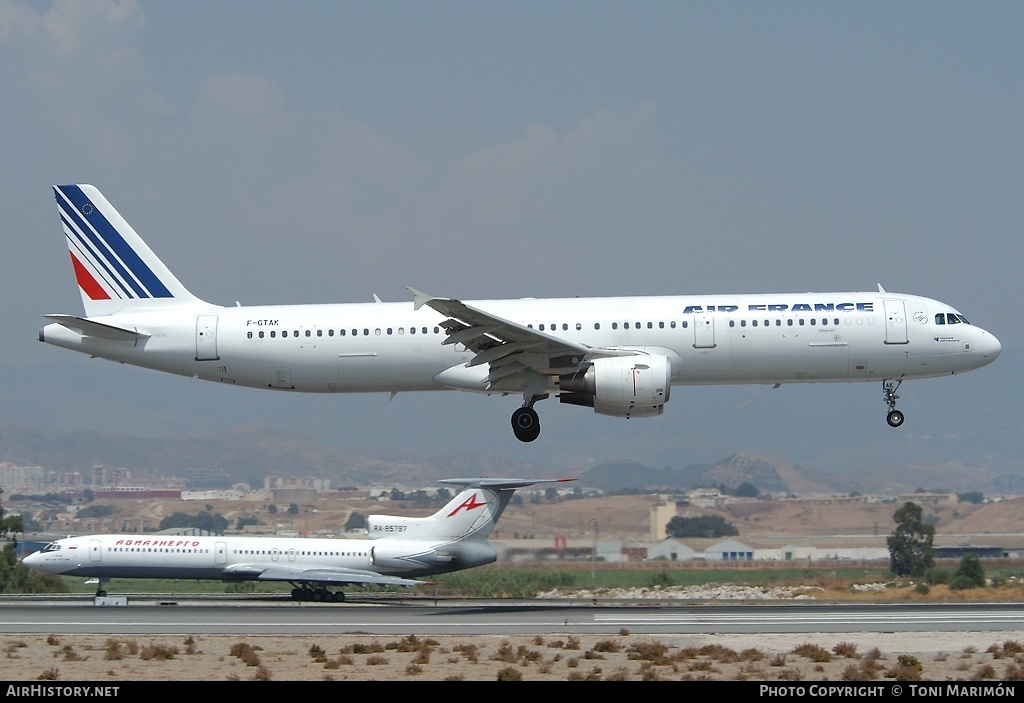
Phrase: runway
{"type": "Point", "coordinates": [221, 615]}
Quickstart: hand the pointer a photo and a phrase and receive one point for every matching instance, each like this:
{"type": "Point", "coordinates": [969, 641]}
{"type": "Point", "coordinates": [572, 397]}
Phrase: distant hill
{"type": "Point", "coordinates": [248, 454]}
{"type": "Point", "coordinates": [241, 455]}
{"type": "Point", "coordinates": [768, 473]}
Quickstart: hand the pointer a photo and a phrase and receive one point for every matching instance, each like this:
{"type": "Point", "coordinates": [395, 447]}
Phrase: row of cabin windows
{"type": "Point", "coordinates": [615, 326]}
{"type": "Point", "coordinates": [940, 319]}
{"type": "Point", "coordinates": [800, 322]}
{"type": "Point", "coordinates": [343, 333]}
{"type": "Point", "coordinates": [302, 553]}
{"type": "Point", "coordinates": [236, 551]}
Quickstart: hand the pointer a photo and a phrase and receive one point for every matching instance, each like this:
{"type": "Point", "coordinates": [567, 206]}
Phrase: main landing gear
{"type": "Point", "coordinates": [895, 417]}
{"type": "Point", "coordinates": [526, 422]}
{"type": "Point", "coordinates": [317, 595]}
{"type": "Point", "coordinates": [100, 591]}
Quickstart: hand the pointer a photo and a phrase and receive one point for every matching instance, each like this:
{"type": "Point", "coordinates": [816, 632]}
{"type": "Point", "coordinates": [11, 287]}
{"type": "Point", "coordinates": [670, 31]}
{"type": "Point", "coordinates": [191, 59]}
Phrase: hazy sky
{"type": "Point", "coordinates": [327, 151]}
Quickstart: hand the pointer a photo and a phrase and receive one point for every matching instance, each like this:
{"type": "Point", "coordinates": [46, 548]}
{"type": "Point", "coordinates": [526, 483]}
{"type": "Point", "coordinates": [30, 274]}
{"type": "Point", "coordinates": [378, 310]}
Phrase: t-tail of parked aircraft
{"type": "Point", "coordinates": [619, 356]}
{"type": "Point", "coordinates": [399, 550]}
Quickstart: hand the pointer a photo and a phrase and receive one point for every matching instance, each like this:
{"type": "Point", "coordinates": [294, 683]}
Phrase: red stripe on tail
{"type": "Point", "coordinates": [86, 282]}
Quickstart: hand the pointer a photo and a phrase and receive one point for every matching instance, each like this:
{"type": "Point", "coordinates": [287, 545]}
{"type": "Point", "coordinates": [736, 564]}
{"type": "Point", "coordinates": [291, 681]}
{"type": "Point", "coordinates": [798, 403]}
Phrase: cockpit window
{"type": "Point", "coordinates": [950, 318]}
{"type": "Point", "coordinates": [52, 547]}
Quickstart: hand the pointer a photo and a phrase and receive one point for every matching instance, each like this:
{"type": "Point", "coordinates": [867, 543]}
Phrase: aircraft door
{"type": "Point", "coordinates": [95, 550]}
{"type": "Point", "coordinates": [703, 330]}
{"type": "Point", "coordinates": [895, 322]}
{"type": "Point", "coordinates": [275, 554]}
{"type": "Point", "coordinates": [206, 338]}
{"type": "Point", "coordinates": [220, 553]}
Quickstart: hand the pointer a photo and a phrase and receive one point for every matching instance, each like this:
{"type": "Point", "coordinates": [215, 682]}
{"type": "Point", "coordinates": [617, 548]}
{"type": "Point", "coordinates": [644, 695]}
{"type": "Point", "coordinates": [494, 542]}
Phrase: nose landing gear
{"type": "Point", "coordinates": [894, 417]}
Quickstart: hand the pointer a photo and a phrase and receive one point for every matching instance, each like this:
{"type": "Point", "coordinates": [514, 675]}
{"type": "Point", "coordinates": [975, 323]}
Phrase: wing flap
{"type": "Point", "coordinates": [332, 575]}
{"type": "Point", "coordinates": [498, 341]}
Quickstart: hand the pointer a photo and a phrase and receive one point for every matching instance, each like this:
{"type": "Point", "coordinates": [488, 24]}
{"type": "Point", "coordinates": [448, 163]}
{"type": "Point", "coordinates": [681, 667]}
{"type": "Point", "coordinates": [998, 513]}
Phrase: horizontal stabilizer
{"type": "Point", "coordinates": [501, 483]}
{"type": "Point", "coordinates": [89, 328]}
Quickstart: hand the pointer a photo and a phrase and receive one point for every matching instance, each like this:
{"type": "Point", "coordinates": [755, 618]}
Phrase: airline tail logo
{"type": "Point", "coordinates": [469, 504]}
{"type": "Point", "coordinates": [106, 265]}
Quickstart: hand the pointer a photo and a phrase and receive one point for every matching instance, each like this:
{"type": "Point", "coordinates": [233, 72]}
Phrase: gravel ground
{"type": "Point", "coordinates": [932, 656]}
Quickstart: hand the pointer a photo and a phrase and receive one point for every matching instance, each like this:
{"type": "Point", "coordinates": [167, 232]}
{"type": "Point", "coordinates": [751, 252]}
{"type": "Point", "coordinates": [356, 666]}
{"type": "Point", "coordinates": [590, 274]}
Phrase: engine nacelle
{"type": "Point", "coordinates": [621, 386]}
{"type": "Point", "coordinates": [416, 558]}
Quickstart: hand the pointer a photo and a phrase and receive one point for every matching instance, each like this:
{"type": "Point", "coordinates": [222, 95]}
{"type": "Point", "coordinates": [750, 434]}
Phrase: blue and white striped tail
{"type": "Point", "coordinates": [115, 270]}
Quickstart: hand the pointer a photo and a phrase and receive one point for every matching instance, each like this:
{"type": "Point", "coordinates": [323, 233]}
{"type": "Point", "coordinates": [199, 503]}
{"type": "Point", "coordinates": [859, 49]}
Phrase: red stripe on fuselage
{"type": "Point", "coordinates": [86, 282]}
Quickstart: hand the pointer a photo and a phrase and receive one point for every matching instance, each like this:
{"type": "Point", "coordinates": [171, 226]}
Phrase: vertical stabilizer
{"type": "Point", "coordinates": [116, 271]}
{"type": "Point", "coordinates": [471, 514]}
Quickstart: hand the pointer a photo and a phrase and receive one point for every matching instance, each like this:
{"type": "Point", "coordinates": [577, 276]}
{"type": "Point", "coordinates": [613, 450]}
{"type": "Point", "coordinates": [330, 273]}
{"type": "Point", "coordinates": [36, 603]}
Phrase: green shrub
{"type": "Point", "coordinates": [962, 583]}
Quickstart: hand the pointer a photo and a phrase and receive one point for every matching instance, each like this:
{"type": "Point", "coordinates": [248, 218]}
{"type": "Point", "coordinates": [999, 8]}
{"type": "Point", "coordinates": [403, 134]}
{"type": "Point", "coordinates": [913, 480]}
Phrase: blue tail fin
{"type": "Point", "coordinates": [116, 271]}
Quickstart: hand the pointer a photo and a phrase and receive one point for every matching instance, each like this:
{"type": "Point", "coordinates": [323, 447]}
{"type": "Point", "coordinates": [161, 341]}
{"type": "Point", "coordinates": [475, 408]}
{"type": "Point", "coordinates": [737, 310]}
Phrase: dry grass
{"type": "Point", "coordinates": [557, 657]}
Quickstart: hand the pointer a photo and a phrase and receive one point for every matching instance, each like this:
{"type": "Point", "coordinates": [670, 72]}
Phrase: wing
{"type": "Point", "coordinates": [326, 575]}
{"type": "Point", "coordinates": [507, 346]}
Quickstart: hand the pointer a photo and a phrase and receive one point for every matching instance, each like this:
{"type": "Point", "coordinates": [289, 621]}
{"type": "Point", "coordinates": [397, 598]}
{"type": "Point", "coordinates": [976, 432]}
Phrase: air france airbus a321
{"type": "Point", "coordinates": [620, 356]}
{"type": "Point", "coordinates": [399, 549]}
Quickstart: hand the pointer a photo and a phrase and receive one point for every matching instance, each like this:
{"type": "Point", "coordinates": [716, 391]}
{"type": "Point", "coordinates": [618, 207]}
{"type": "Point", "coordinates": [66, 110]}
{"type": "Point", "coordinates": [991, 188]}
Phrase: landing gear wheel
{"type": "Point", "coordinates": [296, 594]}
{"type": "Point", "coordinates": [101, 593]}
{"type": "Point", "coordinates": [526, 424]}
{"type": "Point", "coordinates": [889, 388]}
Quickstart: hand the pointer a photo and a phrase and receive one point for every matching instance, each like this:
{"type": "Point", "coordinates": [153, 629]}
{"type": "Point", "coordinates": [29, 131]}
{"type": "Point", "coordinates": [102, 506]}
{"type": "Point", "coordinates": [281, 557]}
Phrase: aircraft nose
{"type": "Point", "coordinates": [989, 347]}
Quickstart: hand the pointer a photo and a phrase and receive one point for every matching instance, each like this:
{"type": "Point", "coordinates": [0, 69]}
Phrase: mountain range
{"type": "Point", "coordinates": [248, 454]}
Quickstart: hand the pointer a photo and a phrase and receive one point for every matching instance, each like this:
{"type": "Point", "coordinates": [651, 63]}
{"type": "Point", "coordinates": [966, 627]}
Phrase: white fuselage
{"type": "Point", "coordinates": [398, 549]}
{"type": "Point", "coordinates": [232, 558]}
{"type": "Point", "coordinates": [715, 339]}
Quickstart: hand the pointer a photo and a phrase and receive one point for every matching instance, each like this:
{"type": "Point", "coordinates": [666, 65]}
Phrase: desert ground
{"type": "Point", "coordinates": [886, 657]}
{"type": "Point", "coordinates": [558, 656]}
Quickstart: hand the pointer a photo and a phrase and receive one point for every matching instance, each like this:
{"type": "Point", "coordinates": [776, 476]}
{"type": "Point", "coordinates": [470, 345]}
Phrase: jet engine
{"type": "Point", "coordinates": [425, 558]}
{"type": "Point", "coordinates": [621, 386]}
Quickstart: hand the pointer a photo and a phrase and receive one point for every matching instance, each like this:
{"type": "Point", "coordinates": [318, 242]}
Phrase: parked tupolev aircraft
{"type": "Point", "coordinates": [398, 551]}
{"type": "Point", "coordinates": [620, 356]}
